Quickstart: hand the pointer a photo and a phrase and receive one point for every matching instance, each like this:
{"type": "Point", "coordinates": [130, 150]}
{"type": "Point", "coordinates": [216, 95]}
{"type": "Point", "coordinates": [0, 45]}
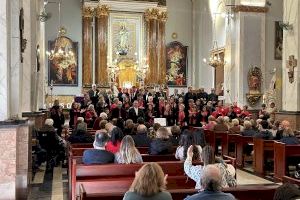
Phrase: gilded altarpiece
{"type": "Point", "coordinates": [126, 45]}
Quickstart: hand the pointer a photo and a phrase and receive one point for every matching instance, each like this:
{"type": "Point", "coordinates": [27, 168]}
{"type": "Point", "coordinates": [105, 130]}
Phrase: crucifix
{"type": "Point", "coordinates": [291, 64]}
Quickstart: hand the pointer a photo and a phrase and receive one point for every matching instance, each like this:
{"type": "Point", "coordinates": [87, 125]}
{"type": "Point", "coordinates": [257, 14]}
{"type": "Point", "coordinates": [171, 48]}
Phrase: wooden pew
{"type": "Point", "coordinates": [241, 142]}
{"type": "Point", "coordinates": [90, 191]}
{"type": "Point", "coordinates": [281, 154]}
{"type": "Point", "coordinates": [211, 137]}
{"type": "Point", "coordinates": [84, 173]}
{"type": "Point", "coordinates": [262, 148]}
{"type": "Point", "coordinates": [288, 179]}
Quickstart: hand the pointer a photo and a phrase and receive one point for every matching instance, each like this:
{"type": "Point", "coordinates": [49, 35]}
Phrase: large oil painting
{"type": "Point", "coordinates": [63, 70]}
{"type": "Point", "coordinates": [278, 41]}
{"type": "Point", "coordinates": [176, 64]}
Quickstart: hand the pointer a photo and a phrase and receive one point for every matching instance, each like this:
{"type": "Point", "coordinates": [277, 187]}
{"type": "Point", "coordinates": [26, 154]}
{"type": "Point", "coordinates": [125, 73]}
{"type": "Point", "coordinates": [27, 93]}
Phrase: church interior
{"type": "Point", "coordinates": [149, 99]}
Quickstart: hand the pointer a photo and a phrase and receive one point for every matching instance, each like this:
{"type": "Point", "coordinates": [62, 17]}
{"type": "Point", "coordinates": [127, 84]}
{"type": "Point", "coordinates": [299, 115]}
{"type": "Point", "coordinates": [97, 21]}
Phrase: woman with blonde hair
{"type": "Point", "coordinates": [149, 184]}
{"type": "Point", "coordinates": [128, 153]}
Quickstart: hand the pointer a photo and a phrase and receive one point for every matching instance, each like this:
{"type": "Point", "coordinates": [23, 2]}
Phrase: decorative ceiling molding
{"type": "Point", "coordinates": [126, 6]}
{"type": "Point", "coordinates": [255, 9]}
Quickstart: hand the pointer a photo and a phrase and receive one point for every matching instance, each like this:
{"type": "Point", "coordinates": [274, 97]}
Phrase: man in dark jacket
{"type": "Point", "coordinates": [98, 155]}
{"type": "Point", "coordinates": [135, 112]}
{"type": "Point", "coordinates": [141, 138]}
{"type": "Point", "coordinates": [264, 133]}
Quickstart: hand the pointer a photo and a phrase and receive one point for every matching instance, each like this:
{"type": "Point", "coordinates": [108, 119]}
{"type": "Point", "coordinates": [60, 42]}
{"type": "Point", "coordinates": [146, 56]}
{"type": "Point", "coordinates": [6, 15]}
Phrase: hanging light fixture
{"type": "Point", "coordinates": [214, 60]}
{"type": "Point", "coordinates": [64, 56]}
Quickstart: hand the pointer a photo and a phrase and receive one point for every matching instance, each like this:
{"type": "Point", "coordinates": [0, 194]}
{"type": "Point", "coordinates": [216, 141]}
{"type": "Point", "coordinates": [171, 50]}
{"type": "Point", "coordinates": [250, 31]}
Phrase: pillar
{"type": "Point", "coordinates": [87, 46]}
{"type": "Point", "coordinates": [162, 68]}
{"type": "Point", "coordinates": [101, 45]}
{"type": "Point", "coordinates": [249, 45]}
{"type": "Point", "coordinates": [151, 20]}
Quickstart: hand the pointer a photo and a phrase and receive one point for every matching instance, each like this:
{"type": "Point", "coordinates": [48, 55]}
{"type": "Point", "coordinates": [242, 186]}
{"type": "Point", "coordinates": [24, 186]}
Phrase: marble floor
{"type": "Point", "coordinates": [53, 185]}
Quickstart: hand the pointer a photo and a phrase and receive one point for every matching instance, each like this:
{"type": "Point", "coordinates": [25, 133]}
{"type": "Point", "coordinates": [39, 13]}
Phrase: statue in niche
{"type": "Point", "coordinates": [254, 84]}
{"type": "Point", "coordinates": [123, 35]}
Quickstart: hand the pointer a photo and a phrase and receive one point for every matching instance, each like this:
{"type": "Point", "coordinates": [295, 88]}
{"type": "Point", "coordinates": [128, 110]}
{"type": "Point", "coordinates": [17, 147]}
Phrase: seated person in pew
{"type": "Point", "coordinates": [114, 142]}
{"type": "Point", "coordinates": [220, 126]}
{"type": "Point", "coordinates": [81, 125]}
{"type": "Point", "coordinates": [287, 191]}
{"type": "Point", "coordinates": [98, 155]}
{"type": "Point", "coordinates": [248, 130]}
{"type": "Point", "coordinates": [264, 133]}
{"type": "Point", "coordinates": [162, 144]}
{"type": "Point", "coordinates": [128, 153]}
{"type": "Point", "coordinates": [141, 138]}
{"type": "Point", "coordinates": [103, 116]}
{"type": "Point", "coordinates": [211, 182]}
{"type": "Point", "coordinates": [149, 184]}
{"type": "Point", "coordinates": [80, 136]}
{"type": "Point", "coordinates": [152, 133]}
{"type": "Point", "coordinates": [128, 127]}
{"type": "Point", "coordinates": [186, 140]}
{"type": "Point", "coordinates": [208, 157]}
{"type": "Point", "coordinates": [236, 128]}
{"type": "Point", "coordinates": [175, 135]}
{"type": "Point", "coordinates": [288, 137]}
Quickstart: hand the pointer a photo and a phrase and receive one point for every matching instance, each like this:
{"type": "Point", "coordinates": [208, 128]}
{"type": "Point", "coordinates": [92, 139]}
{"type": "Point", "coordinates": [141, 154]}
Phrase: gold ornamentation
{"type": "Point", "coordinates": [163, 16]}
{"type": "Point", "coordinates": [151, 13]}
{"type": "Point", "coordinates": [102, 10]}
{"type": "Point", "coordinates": [88, 12]}
{"type": "Point", "coordinates": [255, 9]}
{"type": "Point", "coordinates": [254, 84]}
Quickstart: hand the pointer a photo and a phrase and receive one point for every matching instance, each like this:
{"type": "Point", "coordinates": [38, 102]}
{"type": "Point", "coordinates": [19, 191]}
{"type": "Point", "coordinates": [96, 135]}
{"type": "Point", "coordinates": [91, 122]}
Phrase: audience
{"type": "Point", "coordinates": [115, 140]}
{"type": "Point", "coordinates": [288, 137]}
{"type": "Point", "coordinates": [98, 155]}
{"type": "Point", "coordinates": [264, 133]}
{"type": "Point", "coordinates": [186, 140]}
{"type": "Point", "coordinates": [141, 138]}
{"type": "Point", "coordinates": [248, 131]}
{"type": "Point", "coordinates": [128, 153]}
{"type": "Point", "coordinates": [287, 191]}
{"type": "Point", "coordinates": [128, 127]}
{"type": "Point", "coordinates": [236, 128]}
{"type": "Point", "coordinates": [161, 144]}
{"type": "Point", "coordinates": [208, 157]}
{"type": "Point", "coordinates": [149, 184]}
{"type": "Point", "coordinates": [211, 182]}
{"type": "Point", "coordinates": [220, 126]}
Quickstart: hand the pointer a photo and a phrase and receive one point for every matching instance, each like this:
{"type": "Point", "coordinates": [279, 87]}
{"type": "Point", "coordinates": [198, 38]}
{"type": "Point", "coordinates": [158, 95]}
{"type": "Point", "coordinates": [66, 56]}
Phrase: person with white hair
{"type": "Point", "coordinates": [90, 116]}
{"type": "Point", "coordinates": [93, 93]}
{"type": "Point", "coordinates": [98, 155]}
{"type": "Point", "coordinates": [48, 126]}
{"type": "Point", "coordinates": [211, 182]}
{"type": "Point", "coordinates": [141, 138]}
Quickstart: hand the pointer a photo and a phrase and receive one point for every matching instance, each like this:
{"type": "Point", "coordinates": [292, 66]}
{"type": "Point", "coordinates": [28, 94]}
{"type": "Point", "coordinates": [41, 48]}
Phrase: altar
{"type": "Point", "coordinates": [127, 44]}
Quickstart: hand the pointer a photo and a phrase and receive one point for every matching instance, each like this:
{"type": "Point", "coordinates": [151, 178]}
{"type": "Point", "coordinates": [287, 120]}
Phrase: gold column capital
{"type": "Point", "coordinates": [151, 13]}
{"type": "Point", "coordinates": [163, 16]}
{"type": "Point", "coordinates": [88, 12]}
{"type": "Point", "coordinates": [102, 10]}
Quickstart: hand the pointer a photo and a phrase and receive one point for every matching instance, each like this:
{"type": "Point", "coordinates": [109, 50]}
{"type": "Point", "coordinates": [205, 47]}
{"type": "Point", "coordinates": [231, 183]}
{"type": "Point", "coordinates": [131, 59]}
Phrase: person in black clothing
{"type": "Point", "coordinates": [264, 133]}
{"type": "Point", "coordinates": [213, 97]}
{"type": "Point", "coordinates": [288, 137]}
{"type": "Point", "coordinates": [93, 93]}
{"type": "Point", "coordinates": [98, 155]}
{"type": "Point", "coordinates": [80, 136]}
{"type": "Point", "coordinates": [248, 131]}
{"type": "Point", "coordinates": [141, 138]}
{"type": "Point", "coordinates": [162, 144]}
{"type": "Point", "coordinates": [135, 112]}
{"type": "Point", "coordinates": [231, 114]}
{"type": "Point", "coordinates": [189, 95]}
{"type": "Point", "coordinates": [57, 116]}
{"type": "Point", "coordinates": [118, 112]}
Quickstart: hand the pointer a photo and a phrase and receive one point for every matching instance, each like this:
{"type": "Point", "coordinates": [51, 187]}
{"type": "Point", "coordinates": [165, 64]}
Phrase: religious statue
{"type": "Point", "coordinates": [254, 84]}
{"type": "Point", "coordinates": [123, 35]}
{"type": "Point", "coordinates": [291, 64]}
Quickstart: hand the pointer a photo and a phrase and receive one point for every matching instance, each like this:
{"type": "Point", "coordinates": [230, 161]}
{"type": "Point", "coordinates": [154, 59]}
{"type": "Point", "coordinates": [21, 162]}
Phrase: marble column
{"type": "Point", "coordinates": [249, 52]}
{"type": "Point", "coordinates": [4, 60]}
{"type": "Point", "coordinates": [162, 68]}
{"type": "Point", "coordinates": [291, 46]}
{"type": "Point", "coordinates": [87, 46]}
{"type": "Point", "coordinates": [16, 67]}
{"type": "Point", "coordinates": [101, 45]}
{"type": "Point", "coordinates": [151, 19]}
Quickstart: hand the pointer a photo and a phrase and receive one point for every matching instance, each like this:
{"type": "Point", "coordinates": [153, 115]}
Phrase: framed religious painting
{"type": "Point", "coordinates": [63, 62]}
{"type": "Point", "coordinates": [278, 41]}
{"type": "Point", "coordinates": [177, 64]}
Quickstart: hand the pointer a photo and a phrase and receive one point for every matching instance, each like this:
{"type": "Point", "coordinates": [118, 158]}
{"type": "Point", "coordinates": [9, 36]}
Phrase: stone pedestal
{"type": "Point", "coordinates": [292, 117]}
{"type": "Point", "coordinates": [15, 159]}
{"type": "Point", "coordinates": [37, 118]}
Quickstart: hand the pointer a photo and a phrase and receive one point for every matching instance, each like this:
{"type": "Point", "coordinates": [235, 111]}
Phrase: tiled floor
{"type": "Point", "coordinates": [53, 185]}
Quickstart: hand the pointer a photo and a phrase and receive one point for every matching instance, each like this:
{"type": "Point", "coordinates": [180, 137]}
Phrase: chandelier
{"type": "Point", "coordinates": [63, 56]}
{"type": "Point", "coordinates": [215, 59]}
